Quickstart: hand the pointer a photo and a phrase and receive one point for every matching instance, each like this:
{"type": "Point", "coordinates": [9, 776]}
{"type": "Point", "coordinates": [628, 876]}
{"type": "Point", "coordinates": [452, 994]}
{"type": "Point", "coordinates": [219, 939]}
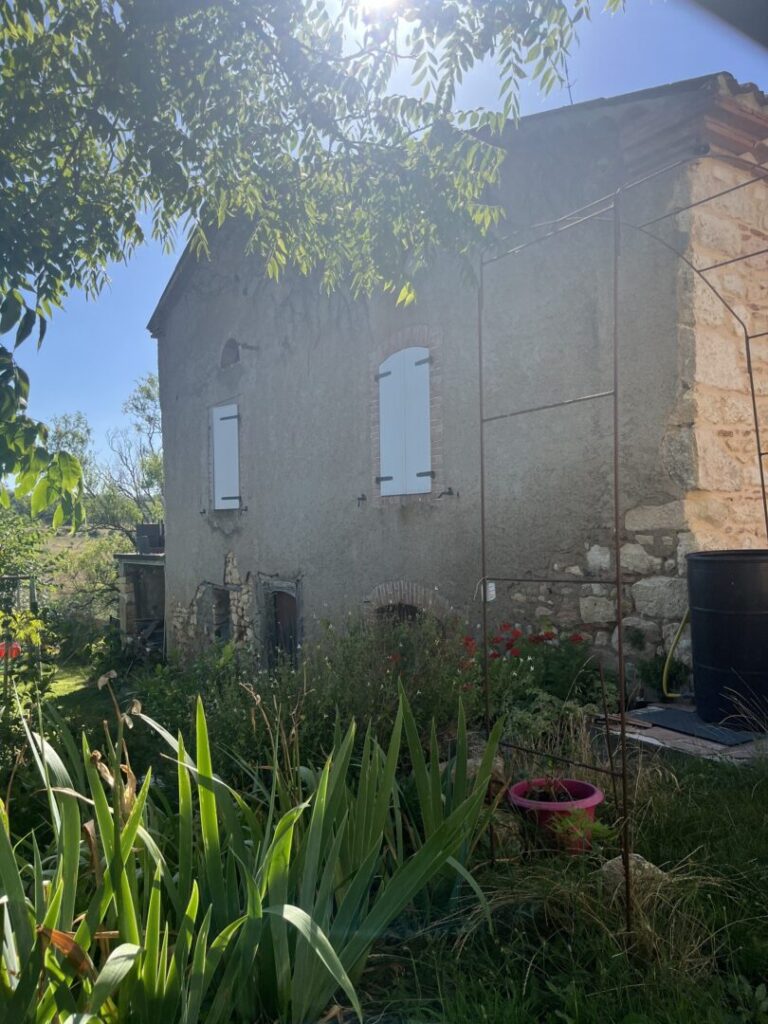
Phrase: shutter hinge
{"type": "Point", "coordinates": [387, 373]}
{"type": "Point", "coordinates": [421, 362]}
{"type": "Point", "coordinates": [381, 479]}
{"type": "Point", "coordinates": [222, 418]}
{"type": "Point", "coordinates": [230, 497]}
{"type": "Point", "coordinates": [430, 472]}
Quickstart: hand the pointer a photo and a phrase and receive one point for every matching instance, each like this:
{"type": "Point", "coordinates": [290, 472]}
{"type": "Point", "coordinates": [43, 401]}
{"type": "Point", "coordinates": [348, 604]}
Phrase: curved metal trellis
{"type": "Point", "coordinates": [608, 209]}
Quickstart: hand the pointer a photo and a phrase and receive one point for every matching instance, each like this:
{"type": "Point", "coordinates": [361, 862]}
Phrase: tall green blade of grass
{"type": "Point", "coordinates": [177, 968]}
{"type": "Point", "coordinates": [387, 779]}
{"type": "Point", "coordinates": [56, 777]}
{"type": "Point", "coordinates": [309, 864]}
{"type": "Point", "coordinates": [185, 848]}
{"type": "Point", "coordinates": [150, 959]}
{"type": "Point", "coordinates": [322, 948]}
{"type": "Point", "coordinates": [209, 825]}
{"type": "Point", "coordinates": [276, 882]}
{"type": "Point", "coordinates": [116, 968]}
{"type": "Point", "coordinates": [15, 899]}
{"type": "Point", "coordinates": [361, 931]}
{"type": "Point", "coordinates": [420, 773]}
{"type": "Point", "coordinates": [194, 990]}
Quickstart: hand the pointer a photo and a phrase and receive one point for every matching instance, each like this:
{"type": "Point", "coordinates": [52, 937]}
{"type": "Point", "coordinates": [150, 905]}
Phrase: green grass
{"type": "Point", "coordinates": [699, 953]}
{"type": "Point", "coordinates": [80, 702]}
{"type": "Point", "coordinates": [557, 953]}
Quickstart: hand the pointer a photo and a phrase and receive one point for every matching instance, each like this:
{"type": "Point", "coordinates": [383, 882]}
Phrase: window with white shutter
{"type": "Point", "coordinates": [405, 449]}
{"type": "Point", "coordinates": [226, 456]}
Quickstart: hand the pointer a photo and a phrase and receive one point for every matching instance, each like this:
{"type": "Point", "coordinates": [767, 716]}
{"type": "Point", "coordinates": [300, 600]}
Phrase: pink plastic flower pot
{"type": "Point", "coordinates": [547, 814]}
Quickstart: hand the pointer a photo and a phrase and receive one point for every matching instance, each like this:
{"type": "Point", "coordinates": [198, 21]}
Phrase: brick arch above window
{"type": "Point", "coordinates": [406, 593]}
{"type": "Point", "coordinates": [421, 336]}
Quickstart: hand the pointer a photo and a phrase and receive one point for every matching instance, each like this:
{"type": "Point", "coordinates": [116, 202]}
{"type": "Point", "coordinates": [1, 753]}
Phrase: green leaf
{"type": "Point", "coordinates": [25, 327]}
{"type": "Point", "coordinates": [116, 968]}
{"type": "Point", "coordinates": [42, 495]}
{"type": "Point", "coordinates": [209, 825]}
{"type": "Point", "coordinates": [41, 332]}
{"type": "Point", "coordinates": [321, 947]}
{"type": "Point", "coordinates": [10, 311]}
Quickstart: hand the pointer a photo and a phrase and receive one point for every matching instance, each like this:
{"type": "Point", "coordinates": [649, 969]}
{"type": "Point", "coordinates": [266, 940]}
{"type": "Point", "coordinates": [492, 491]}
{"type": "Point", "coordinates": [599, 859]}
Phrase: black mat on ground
{"type": "Point", "coordinates": [689, 723]}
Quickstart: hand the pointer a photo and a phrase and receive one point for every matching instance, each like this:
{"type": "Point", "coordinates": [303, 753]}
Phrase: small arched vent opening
{"type": "Point", "coordinates": [230, 354]}
{"type": "Point", "coordinates": [399, 612]}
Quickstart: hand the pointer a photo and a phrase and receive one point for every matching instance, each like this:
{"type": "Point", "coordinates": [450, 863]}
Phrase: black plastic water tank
{"type": "Point", "coordinates": [728, 595]}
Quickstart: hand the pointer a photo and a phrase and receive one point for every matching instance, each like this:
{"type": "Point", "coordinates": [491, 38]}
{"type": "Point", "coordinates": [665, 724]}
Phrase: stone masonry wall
{"type": "Point", "coordinates": [709, 452]}
{"type": "Point", "coordinates": [189, 630]}
{"type": "Point", "coordinates": [723, 505]}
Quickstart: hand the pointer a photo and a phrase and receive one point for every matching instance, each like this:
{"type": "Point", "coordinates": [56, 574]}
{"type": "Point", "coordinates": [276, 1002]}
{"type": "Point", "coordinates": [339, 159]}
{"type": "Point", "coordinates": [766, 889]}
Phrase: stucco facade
{"type": "Point", "coordinates": [302, 371]}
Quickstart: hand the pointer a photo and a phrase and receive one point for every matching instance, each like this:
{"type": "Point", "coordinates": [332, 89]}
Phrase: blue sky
{"type": "Point", "coordinates": [95, 350]}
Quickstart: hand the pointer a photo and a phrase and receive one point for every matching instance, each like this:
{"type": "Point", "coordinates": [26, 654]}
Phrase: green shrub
{"type": "Point", "coordinates": [352, 675]}
{"type": "Point", "coordinates": [538, 682]}
{"type": "Point", "coordinates": [219, 906]}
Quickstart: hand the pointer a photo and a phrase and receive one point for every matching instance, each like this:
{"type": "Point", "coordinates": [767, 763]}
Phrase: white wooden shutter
{"type": "Point", "coordinates": [226, 457]}
{"type": "Point", "coordinates": [405, 452]}
{"type": "Point", "coordinates": [418, 443]}
{"type": "Point", "coordinates": [391, 426]}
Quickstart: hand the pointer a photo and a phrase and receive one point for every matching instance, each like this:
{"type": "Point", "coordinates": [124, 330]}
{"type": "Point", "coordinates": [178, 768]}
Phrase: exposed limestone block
{"type": "Point", "coordinates": [634, 558]}
{"type": "Point", "coordinates": [718, 468]}
{"type": "Point", "coordinates": [661, 597]}
{"type": "Point", "coordinates": [598, 559]}
{"type": "Point", "coordinates": [597, 609]}
{"type": "Point", "coordinates": [670, 516]}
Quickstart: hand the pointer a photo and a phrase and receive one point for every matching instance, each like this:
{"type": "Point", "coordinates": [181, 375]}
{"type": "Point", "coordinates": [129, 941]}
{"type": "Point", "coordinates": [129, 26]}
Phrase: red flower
{"type": "Point", "coordinates": [497, 640]}
{"type": "Point", "coordinates": [494, 654]}
{"type": "Point", "coordinates": [516, 634]}
{"type": "Point", "coordinates": [536, 638]}
{"type": "Point", "coordinates": [549, 635]}
{"type": "Point", "coordinates": [515, 652]}
{"type": "Point", "coordinates": [469, 642]}
{"type": "Point", "coordinates": [14, 649]}
{"type": "Point", "coordinates": [576, 638]}
{"type": "Point", "coordinates": [505, 627]}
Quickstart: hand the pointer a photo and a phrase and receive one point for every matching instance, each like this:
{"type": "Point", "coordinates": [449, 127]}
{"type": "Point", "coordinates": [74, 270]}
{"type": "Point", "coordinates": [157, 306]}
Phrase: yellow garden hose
{"type": "Point", "coordinates": [668, 662]}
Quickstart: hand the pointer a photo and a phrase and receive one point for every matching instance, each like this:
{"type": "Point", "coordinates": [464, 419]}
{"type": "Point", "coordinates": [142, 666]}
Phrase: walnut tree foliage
{"type": "Point", "coordinates": [281, 112]}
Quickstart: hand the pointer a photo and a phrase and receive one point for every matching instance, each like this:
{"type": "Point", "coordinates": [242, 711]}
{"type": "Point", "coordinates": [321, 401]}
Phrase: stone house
{"type": "Point", "coordinates": [322, 454]}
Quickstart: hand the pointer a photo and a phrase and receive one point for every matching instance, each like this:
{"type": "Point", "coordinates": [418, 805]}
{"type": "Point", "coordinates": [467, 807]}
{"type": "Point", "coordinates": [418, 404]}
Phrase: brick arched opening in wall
{"type": "Point", "coordinates": [398, 597]}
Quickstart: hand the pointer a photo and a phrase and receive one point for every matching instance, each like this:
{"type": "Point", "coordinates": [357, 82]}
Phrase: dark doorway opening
{"type": "Point", "coordinates": [285, 628]}
{"type": "Point", "coordinates": [220, 614]}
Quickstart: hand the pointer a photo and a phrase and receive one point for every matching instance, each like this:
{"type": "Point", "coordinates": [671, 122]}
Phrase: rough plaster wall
{"type": "Point", "coordinates": [303, 385]}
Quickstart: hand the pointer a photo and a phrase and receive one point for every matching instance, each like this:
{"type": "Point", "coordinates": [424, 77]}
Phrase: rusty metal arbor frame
{"type": "Point", "coordinates": [609, 209]}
